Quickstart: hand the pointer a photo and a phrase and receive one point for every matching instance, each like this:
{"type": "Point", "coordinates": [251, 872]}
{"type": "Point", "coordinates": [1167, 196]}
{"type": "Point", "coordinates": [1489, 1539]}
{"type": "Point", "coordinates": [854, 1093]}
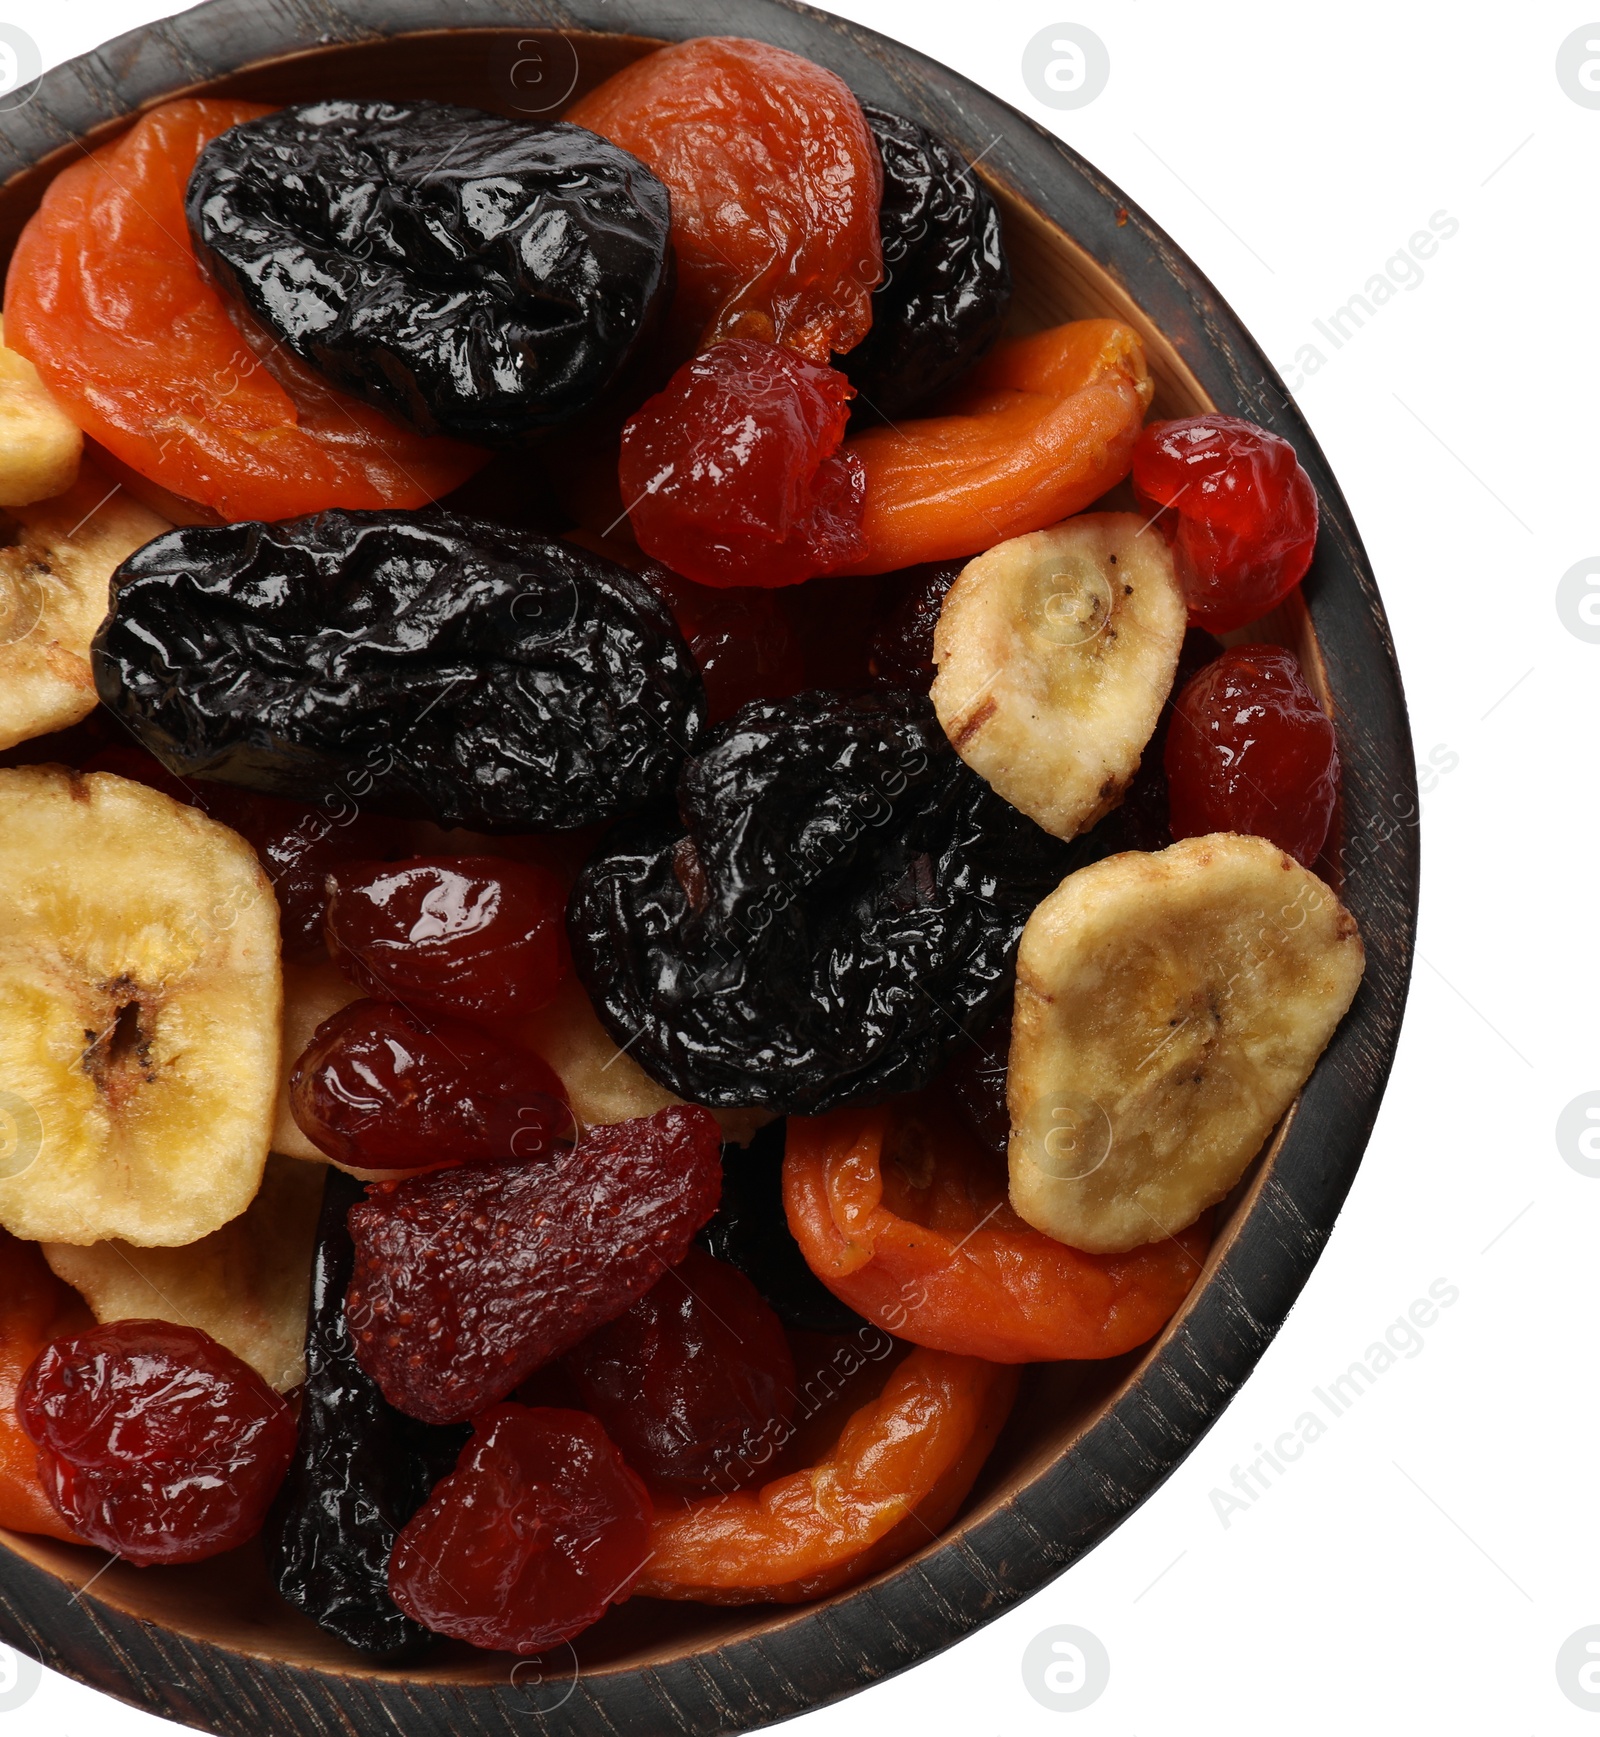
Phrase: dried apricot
{"type": "Point", "coordinates": [106, 299]}
{"type": "Point", "coordinates": [901, 1213]}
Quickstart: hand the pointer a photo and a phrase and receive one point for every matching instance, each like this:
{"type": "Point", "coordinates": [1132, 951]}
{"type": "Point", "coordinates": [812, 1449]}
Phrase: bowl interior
{"type": "Point", "coordinates": [535, 73]}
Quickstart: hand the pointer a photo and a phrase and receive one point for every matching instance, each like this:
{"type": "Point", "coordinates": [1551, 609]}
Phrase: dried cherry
{"type": "Point", "coordinates": [841, 902]}
{"type": "Point", "coordinates": [539, 1529]}
{"type": "Point", "coordinates": [692, 1380]}
{"type": "Point", "coordinates": [1239, 509]}
{"type": "Point", "coordinates": [469, 1279]}
{"type": "Point", "coordinates": [1250, 750]}
{"type": "Point", "coordinates": [741, 637]}
{"type": "Point", "coordinates": [106, 299]}
{"type": "Point", "coordinates": [946, 280]}
{"type": "Point", "coordinates": [732, 474]}
{"type": "Point", "coordinates": [478, 937]}
{"type": "Point", "coordinates": [433, 665]}
{"type": "Point", "coordinates": [379, 1088]}
{"type": "Point", "coordinates": [469, 274]}
{"type": "Point", "coordinates": [154, 1441]}
{"type": "Point", "coordinates": [775, 183]}
{"type": "Point", "coordinates": [901, 652]}
{"type": "Point", "coordinates": [361, 1470]}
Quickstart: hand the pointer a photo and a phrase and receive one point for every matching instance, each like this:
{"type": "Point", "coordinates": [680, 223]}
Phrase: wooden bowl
{"type": "Point", "coordinates": [211, 1645]}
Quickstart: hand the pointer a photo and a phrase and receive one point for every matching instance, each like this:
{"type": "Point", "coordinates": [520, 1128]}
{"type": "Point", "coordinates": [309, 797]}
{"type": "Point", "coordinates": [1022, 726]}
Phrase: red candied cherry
{"type": "Point", "coordinates": [695, 1383]}
{"type": "Point", "coordinates": [536, 1533]}
{"type": "Point", "coordinates": [155, 1442]}
{"type": "Point", "coordinates": [476, 937]}
{"type": "Point", "coordinates": [380, 1089]}
{"type": "Point", "coordinates": [741, 639]}
{"type": "Point", "coordinates": [1242, 518]}
{"type": "Point", "coordinates": [733, 474]}
{"type": "Point", "coordinates": [1250, 750]}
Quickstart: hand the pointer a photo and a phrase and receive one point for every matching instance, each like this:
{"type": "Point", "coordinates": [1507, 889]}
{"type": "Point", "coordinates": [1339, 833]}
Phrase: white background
{"type": "Point", "coordinates": [1423, 1561]}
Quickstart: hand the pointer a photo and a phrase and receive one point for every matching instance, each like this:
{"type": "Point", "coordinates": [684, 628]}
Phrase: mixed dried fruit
{"type": "Point", "coordinates": [736, 943]}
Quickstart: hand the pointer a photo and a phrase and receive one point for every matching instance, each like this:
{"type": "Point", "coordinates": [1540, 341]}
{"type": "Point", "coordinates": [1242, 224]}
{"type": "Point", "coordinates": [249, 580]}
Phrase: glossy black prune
{"type": "Point", "coordinates": [946, 280]}
{"type": "Point", "coordinates": [751, 1232]}
{"type": "Point", "coordinates": [841, 902]}
{"type": "Point", "coordinates": [361, 1470]}
{"type": "Point", "coordinates": [423, 664]}
{"type": "Point", "coordinates": [468, 274]}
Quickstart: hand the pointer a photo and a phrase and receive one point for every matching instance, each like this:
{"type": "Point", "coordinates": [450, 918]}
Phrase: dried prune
{"type": "Point", "coordinates": [474, 936]}
{"type": "Point", "coordinates": [946, 280]}
{"type": "Point", "coordinates": [470, 274]}
{"type": "Point", "coordinates": [841, 903]}
{"type": "Point", "coordinates": [469, 1279]}
{"type": "Point", "coordinates": [695, 1383]}
{"type": "Point", "coordinates": [428, 664]}
{"type": "Point", "coordinates": [155, 1442]}
{"type": "Point", "coordinates": [751, 1232]}
{"type": "Point", "coordinates": [538, 1530]}
{"type": "Point", "coordinates": [380, 1089]}
{"type": "Point", "coordinates": [362, 1469]}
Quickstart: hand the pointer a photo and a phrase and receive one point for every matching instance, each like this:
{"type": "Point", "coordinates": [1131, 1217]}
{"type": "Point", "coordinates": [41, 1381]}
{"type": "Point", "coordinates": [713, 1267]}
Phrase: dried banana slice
{"type": "Point", "coordinates": [140, 1001]}
{"type": "Point", "coordinates": [56, 564]}
{"type": "Point", "coordinates": [1168, 1008]}
{"type": "Point", "coordinates": [248, 1285]}
{"type": "Point", "coordinates": [40, 445]}
{"type": "Point", "coordinates": [1055, 654]}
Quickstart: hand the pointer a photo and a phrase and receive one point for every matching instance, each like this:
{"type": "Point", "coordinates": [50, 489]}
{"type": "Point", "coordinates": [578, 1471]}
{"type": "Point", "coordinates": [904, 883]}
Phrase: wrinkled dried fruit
{"type": "Point", "coordinates": [946, 281]}
{"type": "Point", "coordinates": [437, 665]}
{"type": "Point", "coordinates": [469, 1279]}
{"type": "Point", "coordinates": [900, 654]}
{"type": "Point", "coordinates": [694, 1383]}
{"type": "Point", "coordinates": [474, 936]}
{"type": "Point", "coordinates": [469, 274]}
{"type": "Point", "coordinates": [540, 1528]}
{"type": "Point", "coordinates": [154, 1442]}
{"type": "Point", "coordinates": [106, 299]}
{"type": "Point", "coordinates": [843, 905]}
{"type": "Point", "coordinates": [380, 1088]}
{"type": "Point", "coordinates": [741, 638]}
{"type": "Point", "coordinates": [361, 1470]}
{"type": "Point", "coordinates": [733, 474]}
{"type": "Point", "coordinates": [775, 183]}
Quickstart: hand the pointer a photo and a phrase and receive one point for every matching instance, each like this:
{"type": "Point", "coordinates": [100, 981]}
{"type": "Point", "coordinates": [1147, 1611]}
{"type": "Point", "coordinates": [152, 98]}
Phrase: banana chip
{"type": "Point", "coordinates": [1055, 654]}
{"type": "Point", "coordinates": [140, 1002]}
{"type": "Point", "coordinates": [248, 1285]}
{"type": "Point", "coordinates": [1169, 1007]}
{"type": "Point", "coordinates": [40, 445]}
{"type": "Point", "coordinates": [55, 586]}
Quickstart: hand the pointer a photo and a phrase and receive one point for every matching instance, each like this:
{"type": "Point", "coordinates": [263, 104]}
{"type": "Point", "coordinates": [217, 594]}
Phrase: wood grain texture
{"type": "Point", "coordinates": [209, 1645]}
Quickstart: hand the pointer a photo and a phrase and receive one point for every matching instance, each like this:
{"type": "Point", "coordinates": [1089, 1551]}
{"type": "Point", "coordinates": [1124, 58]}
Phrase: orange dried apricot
{"type": "Point", "coordinates": [1040, 428]}
{"type": "Point", "coordinates": [903, 1216]}
{"type": "Point", "coordinates": [106, 299]}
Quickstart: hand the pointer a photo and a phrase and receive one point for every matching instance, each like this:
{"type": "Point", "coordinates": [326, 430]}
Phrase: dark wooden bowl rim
{"type": "Point", "coordinates": [1010, 1545]}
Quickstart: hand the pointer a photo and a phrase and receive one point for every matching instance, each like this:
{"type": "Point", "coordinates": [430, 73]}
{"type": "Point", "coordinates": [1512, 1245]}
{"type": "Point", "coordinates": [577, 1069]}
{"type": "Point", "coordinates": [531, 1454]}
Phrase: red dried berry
{"type": "Point", "coordinates": [467, 1280]}
{"type": "Point", "coordinates": [1250, 750]}
{"type": "Point", "coordinates": [695, 1383]}
{"type": "Point", "coordinates": [1243, 513]}
{"type": "Point", "coordinates": [536, 1532]}
{"type": "Point", "coordinates": [733, 474]}
{"type": "Point", "coordinates": [477, 937]}
{"type": "Point", "coordinates": [741, 639]}
{"type": "Point", "coordinates": [380, 1089]}
{"type": "Point", "coordinates": [154, 1441]}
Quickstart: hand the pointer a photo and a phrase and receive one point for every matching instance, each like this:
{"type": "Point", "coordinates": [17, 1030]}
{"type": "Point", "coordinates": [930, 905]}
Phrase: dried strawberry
{"type": "Point", "coordinates": [468, 1279]}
